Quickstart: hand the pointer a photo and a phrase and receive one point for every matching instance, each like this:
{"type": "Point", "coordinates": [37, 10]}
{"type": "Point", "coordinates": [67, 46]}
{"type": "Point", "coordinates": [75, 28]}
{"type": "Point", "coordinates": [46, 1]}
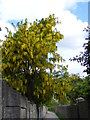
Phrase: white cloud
{"type": "Point", "coordinates": [73, 67]}
{"type": "Point", "coordinates": [71, 27]}
{"type": "Point", "coordinates": [74, 37]}
{"type": "Point", "coordinates": [20, 9]}
{"type": "Point", "coordinates": [3, 31]}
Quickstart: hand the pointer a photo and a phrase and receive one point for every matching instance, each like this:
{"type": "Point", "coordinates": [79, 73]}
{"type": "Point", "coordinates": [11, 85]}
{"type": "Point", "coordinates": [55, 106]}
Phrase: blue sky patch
{"type": "Point", "coordinates": [14, 21]}
{"type": "Point", "coordinates": [81, 11]}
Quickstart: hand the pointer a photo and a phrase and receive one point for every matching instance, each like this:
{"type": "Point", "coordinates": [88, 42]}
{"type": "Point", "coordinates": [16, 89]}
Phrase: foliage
{"type": "Point", "coordinates": [60, 116]}
{"type": "Point", "coordinates": [62, 85]}
{"type": "Point", "coordinates": [51, 106]}
{"type": "Point", "coordinates": [80, 88]}
{"type": "Point", "coordinates": [25, 58]}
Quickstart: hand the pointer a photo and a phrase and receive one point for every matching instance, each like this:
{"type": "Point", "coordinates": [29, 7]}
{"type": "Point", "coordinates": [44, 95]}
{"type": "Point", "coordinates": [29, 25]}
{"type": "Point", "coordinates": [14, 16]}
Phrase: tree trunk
{"type": "Point", "coordinates": [37, 112]}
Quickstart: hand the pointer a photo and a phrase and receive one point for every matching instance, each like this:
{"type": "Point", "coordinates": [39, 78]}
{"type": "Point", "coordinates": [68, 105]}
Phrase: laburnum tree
{"type": "Point", "coordinates": [25, 58]}
{"type": "Point", "coordinates": [62, 84]}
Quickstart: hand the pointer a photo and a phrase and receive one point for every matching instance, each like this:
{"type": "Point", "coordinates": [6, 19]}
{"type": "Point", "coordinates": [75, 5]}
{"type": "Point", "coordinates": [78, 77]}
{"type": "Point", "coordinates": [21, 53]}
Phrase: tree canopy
{"type": "Point", "coordinates": [80, 88]}
{"type": "Point", "coordinates": [25, 58]}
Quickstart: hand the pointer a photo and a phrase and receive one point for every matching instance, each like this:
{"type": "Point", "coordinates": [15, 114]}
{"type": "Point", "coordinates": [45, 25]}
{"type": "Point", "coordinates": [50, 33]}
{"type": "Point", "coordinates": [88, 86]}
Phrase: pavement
{"type": "Point", "coordinates": [51, 115]}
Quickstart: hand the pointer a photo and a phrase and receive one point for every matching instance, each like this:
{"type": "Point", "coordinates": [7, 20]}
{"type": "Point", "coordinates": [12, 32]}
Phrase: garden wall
{"type": "Point", "coordinates": [76, 112]}
{"type": "Point", "coordinates": [14, 105]}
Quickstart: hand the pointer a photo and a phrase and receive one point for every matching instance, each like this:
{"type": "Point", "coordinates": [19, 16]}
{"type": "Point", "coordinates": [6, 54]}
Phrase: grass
{"type": "Point", "coordinates": [0, 75]}
{"type": "Point", "coordinates": [60, 116]}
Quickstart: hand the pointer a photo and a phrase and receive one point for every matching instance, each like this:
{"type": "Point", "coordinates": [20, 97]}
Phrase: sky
{"type": "Point", "coordinates": [73, 15]}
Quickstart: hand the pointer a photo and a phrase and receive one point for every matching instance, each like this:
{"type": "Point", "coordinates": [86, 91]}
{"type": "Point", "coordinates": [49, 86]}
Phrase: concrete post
{"type": "Point", "coordinates": [23, 107]}
{"type": "Point", "coordinates": [28, 109]}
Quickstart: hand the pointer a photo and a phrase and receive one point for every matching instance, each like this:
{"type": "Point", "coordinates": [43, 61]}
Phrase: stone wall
{"type": "Point", "coordinates": [14, 105]}
{"type": "Point", "coordinates": [76, 111]}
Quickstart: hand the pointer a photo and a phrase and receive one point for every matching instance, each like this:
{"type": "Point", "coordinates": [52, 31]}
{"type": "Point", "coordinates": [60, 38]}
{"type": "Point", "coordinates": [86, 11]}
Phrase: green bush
{"type": "Point", "coordinates": [60, 116]}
